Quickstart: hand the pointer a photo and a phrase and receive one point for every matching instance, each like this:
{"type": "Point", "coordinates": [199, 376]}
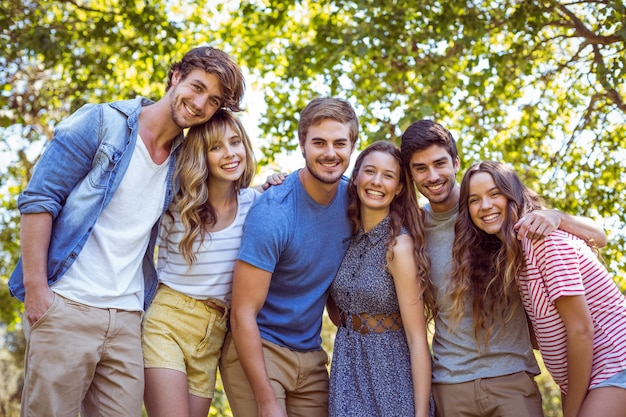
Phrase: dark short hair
{"type": "Point", "coordinates": [422, 135]}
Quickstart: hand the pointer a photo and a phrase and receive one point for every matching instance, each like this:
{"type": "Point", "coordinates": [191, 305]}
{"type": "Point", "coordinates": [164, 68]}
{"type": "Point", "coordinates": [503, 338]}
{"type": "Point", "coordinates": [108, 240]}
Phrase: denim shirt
{"type": "Point", "coordinates": [78, 173]}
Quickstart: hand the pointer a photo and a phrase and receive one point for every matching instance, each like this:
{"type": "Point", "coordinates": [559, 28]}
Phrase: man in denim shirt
{"type": "Point", "coordinates": [90, 215]}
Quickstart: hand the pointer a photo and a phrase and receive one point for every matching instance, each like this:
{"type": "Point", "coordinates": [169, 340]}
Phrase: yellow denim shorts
{"type": "Point", "coordinates": [185, 334]}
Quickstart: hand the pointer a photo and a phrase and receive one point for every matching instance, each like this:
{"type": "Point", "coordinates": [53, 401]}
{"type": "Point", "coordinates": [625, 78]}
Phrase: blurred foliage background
{"type": "Point", "coordinates": [538, 84]}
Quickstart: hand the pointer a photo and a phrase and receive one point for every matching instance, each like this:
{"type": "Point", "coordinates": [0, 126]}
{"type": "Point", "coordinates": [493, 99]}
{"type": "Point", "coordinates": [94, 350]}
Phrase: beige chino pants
{"type": "Point", "coordinates": [82, 358]}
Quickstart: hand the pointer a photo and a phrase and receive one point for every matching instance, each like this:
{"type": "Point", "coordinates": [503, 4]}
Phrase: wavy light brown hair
{"type": "Point", "coordinates": [404, 212]}
{"type": "Point", "coordinates": [219, 63]}
{"type": "Point", "coordinates": [485, 267]}
{"type": "Point", "coordinates": [193, 200]}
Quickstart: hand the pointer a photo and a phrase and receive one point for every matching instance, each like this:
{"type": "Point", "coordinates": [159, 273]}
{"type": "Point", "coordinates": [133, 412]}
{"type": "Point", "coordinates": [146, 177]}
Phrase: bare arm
{"type": "Point", "coordinates": [250, 288]}
{"type": "Point", "coordinates": [332, 310]}
{"type": "Point", "coordinates": [540, 223]}
{"type": "Point", "coordinates": [36, 230]}
{"type": "Point", "coordinates": [404, 272]}
{"type": "Point", "coordinates": [579, 327]}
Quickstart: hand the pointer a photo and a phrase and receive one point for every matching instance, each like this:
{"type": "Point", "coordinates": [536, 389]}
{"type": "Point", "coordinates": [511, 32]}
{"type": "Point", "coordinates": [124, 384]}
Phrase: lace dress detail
{"type": "Point", "coordinates": [370, 374]}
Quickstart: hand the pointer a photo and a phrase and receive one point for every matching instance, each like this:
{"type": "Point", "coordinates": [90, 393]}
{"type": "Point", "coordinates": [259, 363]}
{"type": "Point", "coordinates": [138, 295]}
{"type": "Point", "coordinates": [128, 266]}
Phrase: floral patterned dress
{"type": "Point", "coordinates": [371, 369]}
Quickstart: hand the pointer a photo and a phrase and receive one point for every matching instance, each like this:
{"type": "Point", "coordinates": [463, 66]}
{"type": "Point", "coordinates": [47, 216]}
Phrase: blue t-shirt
{"type": "Point", "coordinates": [302, 243]}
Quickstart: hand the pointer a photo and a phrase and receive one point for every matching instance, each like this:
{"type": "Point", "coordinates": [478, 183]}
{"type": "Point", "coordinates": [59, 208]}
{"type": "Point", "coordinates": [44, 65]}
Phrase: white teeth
{"type": "Point", "coordinates": [189, 110]}
{"type": "Point", "coordinates": [230, 165]}
{"type": "Point", "coordinates": [376, 193]}
{"type": "Point", "coordinates": [490, 217]}
{"type": "Point", "coordinates": [435, 187]}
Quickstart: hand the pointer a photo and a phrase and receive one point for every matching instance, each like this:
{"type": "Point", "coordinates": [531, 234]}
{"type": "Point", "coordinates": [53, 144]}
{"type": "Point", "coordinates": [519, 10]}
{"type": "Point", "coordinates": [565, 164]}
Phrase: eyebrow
{"type": "Point", "coordinates": [204, 87]}
{"type": "Point", "coordinates": [393, 171]}
{"type": "Point", "coordinates": [330, 140]}
{"type": "Point", "coordinates": [416, 164]}
{"type": "Point", "coordinates": [488, 191]}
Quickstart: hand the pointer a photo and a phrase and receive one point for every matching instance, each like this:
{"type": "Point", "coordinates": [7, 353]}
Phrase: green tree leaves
{"type": "Point", "coordinates": [538, 84]}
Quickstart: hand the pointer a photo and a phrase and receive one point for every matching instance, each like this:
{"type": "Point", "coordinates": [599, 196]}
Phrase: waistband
{"type": "Point", "coordinates": [365, 323]}
{"type": "Point", "coordinates": [213, 303]}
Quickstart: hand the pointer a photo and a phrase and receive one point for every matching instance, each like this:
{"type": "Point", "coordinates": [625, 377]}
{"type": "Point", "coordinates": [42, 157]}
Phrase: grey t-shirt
{"type": "Point", "coordinates": [457, 357]}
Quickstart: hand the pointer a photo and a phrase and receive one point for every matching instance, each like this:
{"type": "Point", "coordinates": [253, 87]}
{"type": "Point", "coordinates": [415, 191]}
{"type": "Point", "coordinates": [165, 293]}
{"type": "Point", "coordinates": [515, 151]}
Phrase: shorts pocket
{"type": "Point", "coordinates": [214, 339]}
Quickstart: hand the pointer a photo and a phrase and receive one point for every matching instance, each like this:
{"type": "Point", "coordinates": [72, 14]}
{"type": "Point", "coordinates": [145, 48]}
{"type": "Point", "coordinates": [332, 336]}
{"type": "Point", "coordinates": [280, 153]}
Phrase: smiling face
{"type": "Point", "coordinates": [434, 173]}
{"type": "Point", "coordinates": [194, 99]}
{"type": "Point", "coordinates": [486, 203]}
{"type": "Point", "coordinates": [227, 157]}
{"type": "Point", "coordinates": [378, 181]}
{"type": "Point", "coordinates": [326, 150]}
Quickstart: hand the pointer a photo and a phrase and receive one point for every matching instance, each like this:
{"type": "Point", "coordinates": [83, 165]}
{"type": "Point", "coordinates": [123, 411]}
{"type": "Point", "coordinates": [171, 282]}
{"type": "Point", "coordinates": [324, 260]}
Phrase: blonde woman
{"type": "Point", "coordinates": [184, 328]}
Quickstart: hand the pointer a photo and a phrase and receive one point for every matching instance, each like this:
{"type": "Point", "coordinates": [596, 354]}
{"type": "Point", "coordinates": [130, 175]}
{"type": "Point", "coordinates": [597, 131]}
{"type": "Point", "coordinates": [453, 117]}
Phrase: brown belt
{"type": "Point", "coordinates": [214, 306]}
{"type": "Point", "coordinates": [365, 323]}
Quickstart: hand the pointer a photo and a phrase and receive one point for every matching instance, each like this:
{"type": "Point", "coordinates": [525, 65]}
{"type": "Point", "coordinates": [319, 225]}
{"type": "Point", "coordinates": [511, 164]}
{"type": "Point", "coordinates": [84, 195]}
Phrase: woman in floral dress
{"type": "Point", "coordinates": [381, 362]}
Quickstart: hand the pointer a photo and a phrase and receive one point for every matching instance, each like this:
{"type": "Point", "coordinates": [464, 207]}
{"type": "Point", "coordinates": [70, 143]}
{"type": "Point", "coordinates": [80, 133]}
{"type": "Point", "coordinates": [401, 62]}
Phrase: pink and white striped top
{"type": "Point", "coordinates": [563, 265]}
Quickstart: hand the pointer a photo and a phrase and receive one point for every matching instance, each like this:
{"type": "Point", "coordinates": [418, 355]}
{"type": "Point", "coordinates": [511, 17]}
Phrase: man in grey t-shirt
{"type": "Point", "coordinates": [470, 379]}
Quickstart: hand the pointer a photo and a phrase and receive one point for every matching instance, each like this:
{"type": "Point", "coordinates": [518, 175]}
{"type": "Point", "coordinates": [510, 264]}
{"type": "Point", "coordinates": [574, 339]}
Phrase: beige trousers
{"type": "Point", "coordinates": [299, 379]}
{"type": "Point", "coordinates": [515, 395]}
{"type": "Point", "coordinates": [82, 358]}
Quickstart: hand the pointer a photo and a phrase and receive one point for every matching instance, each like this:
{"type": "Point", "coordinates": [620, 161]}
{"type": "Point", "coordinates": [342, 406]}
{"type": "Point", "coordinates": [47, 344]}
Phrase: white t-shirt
{"type": "Point", "coordinates": [211, 276]}
{"type": "Point", "coordinates": [108, 271]}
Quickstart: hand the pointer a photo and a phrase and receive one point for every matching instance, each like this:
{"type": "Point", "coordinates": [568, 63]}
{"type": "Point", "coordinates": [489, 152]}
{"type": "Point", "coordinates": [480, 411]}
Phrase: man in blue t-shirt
{"type": "Point", "coordinates": [294, 239]}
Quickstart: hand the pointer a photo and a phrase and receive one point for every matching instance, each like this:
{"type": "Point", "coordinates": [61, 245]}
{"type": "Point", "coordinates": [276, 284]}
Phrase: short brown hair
{"type": "Point", "coordinates": [322, 108]}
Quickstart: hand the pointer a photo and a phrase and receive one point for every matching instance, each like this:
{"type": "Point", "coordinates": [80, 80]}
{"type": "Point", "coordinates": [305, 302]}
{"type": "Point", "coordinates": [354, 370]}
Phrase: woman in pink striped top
{"type": "Point", "coordinates": [577, 313]}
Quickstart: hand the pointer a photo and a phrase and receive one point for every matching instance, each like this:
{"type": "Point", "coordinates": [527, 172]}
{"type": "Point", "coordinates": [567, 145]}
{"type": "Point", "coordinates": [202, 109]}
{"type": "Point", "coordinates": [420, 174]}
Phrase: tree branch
{"type": "Point", "coordinates": [584, 32]}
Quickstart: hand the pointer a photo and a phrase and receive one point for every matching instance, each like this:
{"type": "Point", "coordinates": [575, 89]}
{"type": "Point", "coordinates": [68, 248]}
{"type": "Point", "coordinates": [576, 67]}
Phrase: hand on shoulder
{"type": "Point", "coordinates": [276, 178]}
{"type": "Point", "coordinates": [537, 224]}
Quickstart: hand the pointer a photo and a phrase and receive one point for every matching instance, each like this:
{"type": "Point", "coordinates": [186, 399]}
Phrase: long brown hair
{"type": "Point", "coordinates": [404, 212]}
{"type": "Point", "coordinates": [485, 266]}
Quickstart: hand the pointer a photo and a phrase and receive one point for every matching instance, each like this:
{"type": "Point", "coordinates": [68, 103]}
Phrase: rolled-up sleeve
{"type": "Point", "coordinates": [66, 160]}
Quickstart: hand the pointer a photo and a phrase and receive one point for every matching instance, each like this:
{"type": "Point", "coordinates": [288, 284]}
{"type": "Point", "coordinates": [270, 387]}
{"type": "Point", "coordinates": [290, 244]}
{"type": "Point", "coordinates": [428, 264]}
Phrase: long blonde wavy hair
{"type": "Point", "coordinates": [404, 212]}
{"type": "Point", "coordinates": [485, 266]}
{"type": "Point", "coordinates": [193, 200]}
